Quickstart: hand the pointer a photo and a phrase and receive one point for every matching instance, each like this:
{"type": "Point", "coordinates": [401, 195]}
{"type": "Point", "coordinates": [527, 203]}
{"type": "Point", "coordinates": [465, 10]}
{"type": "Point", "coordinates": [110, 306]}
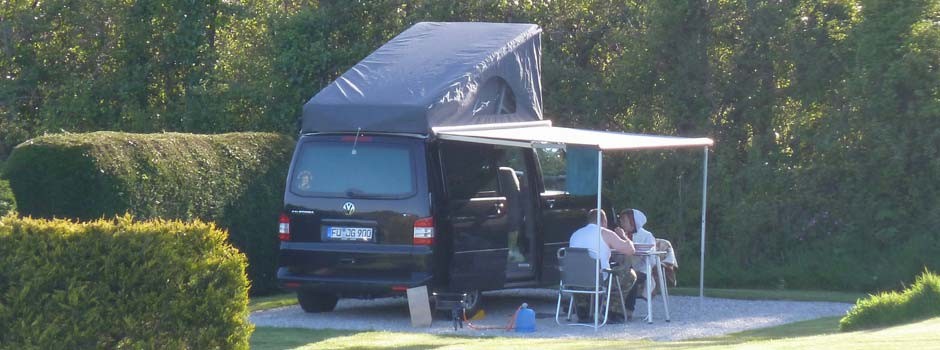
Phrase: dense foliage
{"type": "Point", "coordinates": [235, 180]}
{"type": "Point", "coordinates": [7, 201]}
{"type": "Point", "coordinates": [918, 302]}
{"type": "Point", "coordinates": [826, 113]}
{"type": "Point", "coordinates": [120, 284]}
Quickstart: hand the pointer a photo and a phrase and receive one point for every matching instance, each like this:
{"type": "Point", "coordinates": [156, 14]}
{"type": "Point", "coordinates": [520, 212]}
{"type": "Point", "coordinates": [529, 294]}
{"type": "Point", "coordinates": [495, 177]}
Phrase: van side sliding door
{"type": "Point", "coordinates": [478, 216]}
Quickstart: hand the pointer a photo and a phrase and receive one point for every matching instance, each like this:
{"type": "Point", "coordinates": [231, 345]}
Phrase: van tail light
{"type": "Point", "coordinates": [424, 232]}
{"type": "Point", "coordinates": [283, 228]}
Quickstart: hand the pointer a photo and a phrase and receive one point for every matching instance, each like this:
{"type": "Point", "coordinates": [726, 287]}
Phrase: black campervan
{"type": "Point", "coordinates": [376, 204]}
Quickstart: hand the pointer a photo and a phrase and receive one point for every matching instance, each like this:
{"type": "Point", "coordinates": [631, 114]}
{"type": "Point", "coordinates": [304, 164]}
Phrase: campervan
{"type": "Point", "coordinates": [377, 203]}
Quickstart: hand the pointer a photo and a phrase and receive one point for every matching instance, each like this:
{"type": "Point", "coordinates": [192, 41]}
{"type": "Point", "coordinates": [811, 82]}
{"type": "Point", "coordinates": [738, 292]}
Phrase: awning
{"type": "Point", "coordinates": [542, 134]}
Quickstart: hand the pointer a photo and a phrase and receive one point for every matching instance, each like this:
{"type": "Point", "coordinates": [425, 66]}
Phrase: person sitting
{"type": "Point", "coordinates": [631, 226]}
{"type": "Point", "coordinates": [587, 237]}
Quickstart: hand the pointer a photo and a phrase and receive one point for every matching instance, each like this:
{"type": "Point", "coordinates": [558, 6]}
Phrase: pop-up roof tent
{"type": "Point", "coordinates": [436, 74]}
{"type": "Point", "coordinates": [469, 82]}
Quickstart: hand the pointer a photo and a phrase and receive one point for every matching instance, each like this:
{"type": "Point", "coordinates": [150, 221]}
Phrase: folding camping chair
{"type": "Point", "coordinates": [579, 275]}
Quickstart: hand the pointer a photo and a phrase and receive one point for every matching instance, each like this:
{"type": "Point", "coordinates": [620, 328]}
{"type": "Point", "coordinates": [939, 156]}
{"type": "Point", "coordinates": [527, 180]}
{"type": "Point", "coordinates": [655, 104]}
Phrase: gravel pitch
{"type": "Point", "coordinates": [691, 317]}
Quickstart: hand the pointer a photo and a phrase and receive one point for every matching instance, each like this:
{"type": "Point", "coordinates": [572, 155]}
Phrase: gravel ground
{"type": "Point", "coordinates": [691, 318]}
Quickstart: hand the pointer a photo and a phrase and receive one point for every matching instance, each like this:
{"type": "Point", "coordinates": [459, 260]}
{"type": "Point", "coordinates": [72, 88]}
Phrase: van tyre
{"type": "Point", "coordinates": [473, 302]}
{"type": "Point", "coordinates": [314, 302]}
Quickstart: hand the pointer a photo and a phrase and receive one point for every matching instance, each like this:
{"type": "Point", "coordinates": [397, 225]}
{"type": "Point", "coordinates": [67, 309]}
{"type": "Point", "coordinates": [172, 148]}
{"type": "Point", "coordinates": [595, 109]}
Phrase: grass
{"type": "Point", "coordinates": [815, 334]}
{"type": "Point", "coordinates": [271, 301]}
{"type": "Point", "coordinates": [920, 301]}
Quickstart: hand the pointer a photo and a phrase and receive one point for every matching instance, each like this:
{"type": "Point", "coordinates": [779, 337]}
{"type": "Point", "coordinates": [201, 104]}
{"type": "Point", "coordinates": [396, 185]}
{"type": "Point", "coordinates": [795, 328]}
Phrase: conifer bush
{"type": "Point", "coordinates": [120, 284]}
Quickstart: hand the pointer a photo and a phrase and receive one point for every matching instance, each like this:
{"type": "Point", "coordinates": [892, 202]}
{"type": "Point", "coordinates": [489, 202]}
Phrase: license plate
{"type": "Point", "coordinates": [363, 234]}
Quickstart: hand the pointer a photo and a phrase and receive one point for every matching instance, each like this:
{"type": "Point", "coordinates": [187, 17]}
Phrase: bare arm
{"type": "Point", "coordinates": [621, 245]}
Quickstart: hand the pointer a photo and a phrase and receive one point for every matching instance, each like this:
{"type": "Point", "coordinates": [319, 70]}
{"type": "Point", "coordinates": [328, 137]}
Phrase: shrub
{"type": "Point", "coordinates": [120, 284]}
{"type": "Point", "coordinates": [920, 301]}
{"type": "Point", "coordinates": [235, 180]}
{"type": "Point", "coordinates": [7, 201]}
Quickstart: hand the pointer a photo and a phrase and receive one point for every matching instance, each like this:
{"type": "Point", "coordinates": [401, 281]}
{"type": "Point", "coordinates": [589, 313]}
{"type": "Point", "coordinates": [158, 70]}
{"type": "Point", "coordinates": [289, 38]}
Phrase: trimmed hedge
{"type": "Point", "coordinates": [120, 284]}
{"type": "Point", "coordinates": [235, 180]}
{"type": "Point", "coordinates": [920, 301]}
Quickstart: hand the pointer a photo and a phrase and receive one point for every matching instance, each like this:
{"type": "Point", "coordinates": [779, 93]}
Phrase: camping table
{"type": "Point", "coordinates": [653, 258]}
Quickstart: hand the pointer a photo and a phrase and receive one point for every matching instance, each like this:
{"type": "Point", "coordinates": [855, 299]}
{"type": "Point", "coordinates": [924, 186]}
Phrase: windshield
{"type": "Point", "coordinates": [377, 169]}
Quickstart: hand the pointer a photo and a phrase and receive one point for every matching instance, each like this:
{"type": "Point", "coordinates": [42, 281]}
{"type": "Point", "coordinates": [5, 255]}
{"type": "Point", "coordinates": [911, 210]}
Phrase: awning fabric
{"type": "Point", "coordinates": [543, 134]}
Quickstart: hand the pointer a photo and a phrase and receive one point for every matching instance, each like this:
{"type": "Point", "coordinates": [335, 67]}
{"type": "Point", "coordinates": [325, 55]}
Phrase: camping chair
{"type": "Point", "coordinates": [578, 276]}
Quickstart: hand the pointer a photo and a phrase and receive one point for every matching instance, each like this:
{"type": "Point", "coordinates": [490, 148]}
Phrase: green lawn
{"type": "Point", "coordinates": [813, 334]}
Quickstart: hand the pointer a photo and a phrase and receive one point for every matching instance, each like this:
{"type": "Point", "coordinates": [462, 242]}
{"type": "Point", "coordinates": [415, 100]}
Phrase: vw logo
{"type": "Point", "coordinates": [349, 208]}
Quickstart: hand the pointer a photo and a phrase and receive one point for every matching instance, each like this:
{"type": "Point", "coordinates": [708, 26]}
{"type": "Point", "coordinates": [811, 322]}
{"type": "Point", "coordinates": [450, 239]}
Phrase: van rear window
{"type": "Point", "coordinates": [375, 170]}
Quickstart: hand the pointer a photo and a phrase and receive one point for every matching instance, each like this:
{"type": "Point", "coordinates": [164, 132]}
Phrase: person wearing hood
{"type": "Point", "coordinates": [631, 227]}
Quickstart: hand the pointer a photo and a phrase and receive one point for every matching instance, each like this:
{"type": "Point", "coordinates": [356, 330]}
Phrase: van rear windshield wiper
{"type": "Point", "coordinates": [352, 192]}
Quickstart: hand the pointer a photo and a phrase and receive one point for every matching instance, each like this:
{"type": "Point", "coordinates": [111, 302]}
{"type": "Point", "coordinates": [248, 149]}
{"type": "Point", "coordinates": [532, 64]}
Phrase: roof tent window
{"type": "Point", "coordinates": [495, 97]}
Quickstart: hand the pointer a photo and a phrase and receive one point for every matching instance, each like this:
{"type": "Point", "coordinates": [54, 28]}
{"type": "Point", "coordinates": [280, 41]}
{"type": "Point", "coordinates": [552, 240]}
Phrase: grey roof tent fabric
{"type": "Point", "coordinates": [436, 74]}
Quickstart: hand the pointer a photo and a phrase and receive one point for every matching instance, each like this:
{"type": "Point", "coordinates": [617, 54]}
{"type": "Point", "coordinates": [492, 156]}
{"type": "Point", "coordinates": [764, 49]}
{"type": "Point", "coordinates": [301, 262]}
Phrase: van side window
{"type": "Point", "coordinates": [552, 162]}
{"type": "Point", "coordinates": [469, 170]}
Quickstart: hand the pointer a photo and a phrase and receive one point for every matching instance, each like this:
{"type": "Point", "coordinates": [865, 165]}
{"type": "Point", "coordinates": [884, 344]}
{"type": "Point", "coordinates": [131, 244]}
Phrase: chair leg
{"type": "Point", "coordinates": [610, 282]}
{"type": "Point", "coordinates": [623, 303]}
{"type": "Point", "coordinates": [570, 306]}
{"type": "Point", "coordinates": [558, 308]}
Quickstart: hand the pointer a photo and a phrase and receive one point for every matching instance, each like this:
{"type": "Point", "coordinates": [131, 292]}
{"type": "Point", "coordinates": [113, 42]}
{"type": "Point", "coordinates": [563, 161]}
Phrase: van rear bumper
{"type": "Point", "coordinates": [350, 286]}
{"type": "Point", "coordinates": [353, 270]}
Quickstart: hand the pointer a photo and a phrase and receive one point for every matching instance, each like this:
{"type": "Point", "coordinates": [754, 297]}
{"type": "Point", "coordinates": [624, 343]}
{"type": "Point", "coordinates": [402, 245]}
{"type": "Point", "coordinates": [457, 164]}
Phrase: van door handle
{"type": "Point", "coordinates": [550, 203]}
{"type": "Point", "coordinates": [347, 261]}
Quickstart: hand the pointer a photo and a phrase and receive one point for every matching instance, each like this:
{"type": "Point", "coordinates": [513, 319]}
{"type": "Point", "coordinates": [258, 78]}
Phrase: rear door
{"type": "Point", "coordinates": [353, 202]}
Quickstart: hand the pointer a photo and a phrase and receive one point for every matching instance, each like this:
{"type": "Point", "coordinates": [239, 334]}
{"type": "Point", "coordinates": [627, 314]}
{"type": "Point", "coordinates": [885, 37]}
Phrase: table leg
{"type": "Point", "coordinates": [662, 286]}
{"type": "Point", "coordinates": [649, 293]}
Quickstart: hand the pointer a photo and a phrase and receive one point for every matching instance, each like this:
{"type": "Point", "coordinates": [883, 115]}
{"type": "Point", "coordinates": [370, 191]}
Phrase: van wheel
{"type": "Point", "coordinates": [474, 302]}
{"type": "Point", "coordinates": [314, 302]}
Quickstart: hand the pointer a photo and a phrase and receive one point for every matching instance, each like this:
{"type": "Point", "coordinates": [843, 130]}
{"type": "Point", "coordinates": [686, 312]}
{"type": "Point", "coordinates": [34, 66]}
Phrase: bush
{"type": "Point", "coordinates": [920, 301]}
{"type": "Point", "coordinates": [7, 201]}
{"type": "Point", "coordinates": [235, 180]}
{"type": "Point", "coordinates": [120, 284]}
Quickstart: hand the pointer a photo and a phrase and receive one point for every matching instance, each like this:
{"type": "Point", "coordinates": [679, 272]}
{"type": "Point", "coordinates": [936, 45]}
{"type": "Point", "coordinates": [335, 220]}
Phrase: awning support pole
{"type": "Point", "coordinates": [701, 273]}
{"type": "Point", "coordinates": [600, 238]}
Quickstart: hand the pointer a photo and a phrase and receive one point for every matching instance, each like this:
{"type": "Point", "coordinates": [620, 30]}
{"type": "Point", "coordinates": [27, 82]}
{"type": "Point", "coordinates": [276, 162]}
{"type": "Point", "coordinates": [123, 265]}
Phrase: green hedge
{"type": "Point", "coordinates": [920, 301]}
{"type": "Point", "coordinates": [120, 284]}
{"type": "Point", "coordinates": [235, 180]}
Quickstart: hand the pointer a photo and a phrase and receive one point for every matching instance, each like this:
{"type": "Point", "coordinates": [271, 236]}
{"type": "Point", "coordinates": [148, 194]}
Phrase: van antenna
{"type": "Point", "coordinates": [356, 140]}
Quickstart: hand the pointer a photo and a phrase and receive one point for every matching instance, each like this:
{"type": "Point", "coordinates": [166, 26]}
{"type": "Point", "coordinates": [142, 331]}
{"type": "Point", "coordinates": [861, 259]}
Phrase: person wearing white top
{"type": "Point", "coordinates": [631, 227]}
{"type": "Point", "coordinates": [587, 237]}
